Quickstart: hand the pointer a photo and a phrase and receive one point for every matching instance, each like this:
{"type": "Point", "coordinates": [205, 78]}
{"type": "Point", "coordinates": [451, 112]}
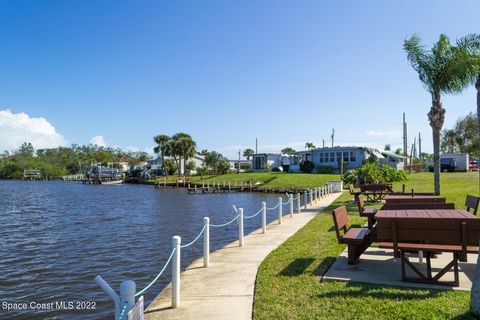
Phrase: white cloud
{"type": "Point", "coordinates": [384, 133]}
{"type": "Point", "coordinates": [99, 141]}
{"type": "Point", "coordinates": [17, 128]}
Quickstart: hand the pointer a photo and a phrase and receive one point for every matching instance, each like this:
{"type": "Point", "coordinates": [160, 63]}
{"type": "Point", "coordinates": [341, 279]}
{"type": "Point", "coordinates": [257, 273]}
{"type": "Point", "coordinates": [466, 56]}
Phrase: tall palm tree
{"type": "Point", "coordinates": [442, 70]}
{"type": "Point", "coordinates": [162, 148]}
{"type": "Point", "coordinates": [309, 145]}
{"type": "Point", "coordinates": [248, 153]}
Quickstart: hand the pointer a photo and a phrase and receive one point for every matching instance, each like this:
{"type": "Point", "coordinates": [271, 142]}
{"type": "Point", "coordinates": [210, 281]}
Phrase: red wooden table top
{"type": "Point", "coordinates": [424, 213]}
{"type": "Point", "coordinates": [407, 198]}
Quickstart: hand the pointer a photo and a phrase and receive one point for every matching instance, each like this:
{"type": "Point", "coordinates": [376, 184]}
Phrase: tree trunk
{"type": "Point", "coordinates": [436, 116]}
{"type": "Point", "coordinates": [475, 292]}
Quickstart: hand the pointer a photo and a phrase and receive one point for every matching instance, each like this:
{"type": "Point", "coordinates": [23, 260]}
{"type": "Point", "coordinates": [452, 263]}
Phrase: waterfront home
{"type": "Point", "coordinates": [245, 165]}
{"type": "Point", "coordinates": [337, 158]}
{"type": "Point", "coordinates": [154, 167]}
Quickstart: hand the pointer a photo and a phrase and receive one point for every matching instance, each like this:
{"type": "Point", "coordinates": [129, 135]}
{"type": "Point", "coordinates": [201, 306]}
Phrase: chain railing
{"type": "Point", "coordinates": [127, 288]}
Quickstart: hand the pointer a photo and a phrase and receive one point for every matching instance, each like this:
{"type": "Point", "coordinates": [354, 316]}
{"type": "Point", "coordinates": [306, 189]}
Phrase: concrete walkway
{"type": "Point", "coordinates": [225, 290]}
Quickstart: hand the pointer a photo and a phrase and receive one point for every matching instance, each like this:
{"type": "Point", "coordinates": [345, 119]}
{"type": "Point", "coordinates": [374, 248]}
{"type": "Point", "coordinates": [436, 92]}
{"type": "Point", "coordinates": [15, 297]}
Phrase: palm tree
{"type": "Point", "coordinates": [287, 150]}
{"type": "Point", "coordinates": [309, 145]}
{"type": "Point", "coordinates": [162, 147]}
{"type": "Point", "coordinates": [449, 141]}
{"type": "Point", "coordinates": [248, 153]}
{"type": "Point", "coordinates": [442, 70]}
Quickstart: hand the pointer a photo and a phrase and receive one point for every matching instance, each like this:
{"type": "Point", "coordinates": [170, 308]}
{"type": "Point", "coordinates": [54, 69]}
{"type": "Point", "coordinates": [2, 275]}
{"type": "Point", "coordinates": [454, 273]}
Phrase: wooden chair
{"type": "Point", "coordinates": [354, 193]}
{"type": "Point", "coordinates": [356, 239]}
{"type": "Point", "coordinates": [471, 202]}
{"type": "Point", "coordinates": [366, 212]}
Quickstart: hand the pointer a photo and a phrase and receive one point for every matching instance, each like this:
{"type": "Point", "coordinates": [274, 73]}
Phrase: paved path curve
{"type": "Point", "coordinates": [225, 290]}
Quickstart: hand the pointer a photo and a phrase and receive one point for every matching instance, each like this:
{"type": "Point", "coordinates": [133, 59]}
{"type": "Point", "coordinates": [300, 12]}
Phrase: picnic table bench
{"type": "Point", "coordinates": [377, 191]}
{"type": "Point", "coordinates": [430, 231]}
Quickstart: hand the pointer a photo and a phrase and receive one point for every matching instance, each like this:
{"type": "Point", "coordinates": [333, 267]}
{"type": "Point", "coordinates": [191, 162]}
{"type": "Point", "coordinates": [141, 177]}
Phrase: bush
{"type": "Point", "coordinates": [307, 166]}
{"type": "Point", "coordinates": [370, 172]}
{"type": "Point", "coordinates": [324, 169]}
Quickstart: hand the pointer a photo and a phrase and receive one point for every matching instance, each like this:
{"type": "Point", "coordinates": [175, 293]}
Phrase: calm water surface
{"type": "Point", "coordinates": [55, 237]}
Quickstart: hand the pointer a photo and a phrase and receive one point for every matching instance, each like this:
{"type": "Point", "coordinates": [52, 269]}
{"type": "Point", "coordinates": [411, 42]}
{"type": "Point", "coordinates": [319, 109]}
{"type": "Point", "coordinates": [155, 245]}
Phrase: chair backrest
{"type": "Point", "coordinates": [471, 202]}
{"type": "Point", "coordinates": [351, 188]}
{"type": "Point", "coordinates": [340, 221]}
{"type": "Point", "coordinates": [418, 206]}
{"type": "Point", "coordinates": [360, 203]}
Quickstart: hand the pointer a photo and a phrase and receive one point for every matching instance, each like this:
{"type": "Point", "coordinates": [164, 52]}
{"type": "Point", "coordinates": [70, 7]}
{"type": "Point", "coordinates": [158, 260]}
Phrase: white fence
{"type": "Point", "coordinates": [125, 303]}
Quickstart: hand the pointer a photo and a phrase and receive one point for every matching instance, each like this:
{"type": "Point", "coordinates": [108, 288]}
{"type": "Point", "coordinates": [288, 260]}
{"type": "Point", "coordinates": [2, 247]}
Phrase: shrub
{"type": "Point", "coordinates": [370, 172]}
{"type": "Point", "coordinates": [324, 169]}
{"type": "Point", "coordinates": [307, 166]}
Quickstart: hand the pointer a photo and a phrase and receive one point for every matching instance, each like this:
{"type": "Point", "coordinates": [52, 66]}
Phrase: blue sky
{"type": "Point", "coordinates": [224, 71]}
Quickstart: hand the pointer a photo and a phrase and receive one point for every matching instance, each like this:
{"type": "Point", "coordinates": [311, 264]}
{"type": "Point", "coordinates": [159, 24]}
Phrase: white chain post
{"type": "Point", "coordinates": [291, 205]}
{"type": "Point", "coordinates": [127, 294]}
{"type": "Point", "coordinates": [280, 211]}
{"type": "Point", "coordinates": [240, 227]}
{"type": "Point", "coordinates": [206, 242]}
{"type": "Point", "coordinates": [305, 200]}
{"type": "Point", "coordinates": [264, 217]}
{"type": "Point", "coordinates": [176, 241]}
{"type": "Point", "coordinates": [318, 194]}
{"type": "Point", "coordinates": [298, 202]}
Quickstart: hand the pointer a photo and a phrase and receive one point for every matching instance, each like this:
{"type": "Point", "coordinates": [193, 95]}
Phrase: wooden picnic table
{"type": "Point", "coordinates": [377, 191]}
{"type": "Point", "coordinates": [430, 231]}
{"type": "Point", "coordinates": [408, 198]}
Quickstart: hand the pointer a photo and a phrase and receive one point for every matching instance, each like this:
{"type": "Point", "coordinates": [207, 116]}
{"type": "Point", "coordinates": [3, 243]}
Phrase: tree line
{"type": "Point", "coordinates": [57, 162]}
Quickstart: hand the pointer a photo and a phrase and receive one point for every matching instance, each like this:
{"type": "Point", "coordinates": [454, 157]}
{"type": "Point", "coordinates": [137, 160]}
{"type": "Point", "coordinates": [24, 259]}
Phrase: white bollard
{"type": "Point", "coordinates": [264, 217]}
{"type": "Point", "coordinates": [127, 294]}
{"type": "Point", "coordinates": [206, 242]}
{"type": "Point", "coordinates": [280, 211]}
{"type": "Point", "coordinates": [305, 200]}
{"type": "Point", "coordinates": [240, 227]}
{"type": "Point", "coordinates": [224, 183]}
{"type": "Point", "coordinates": [176, 241]}
{"type": "Point", "coordinates": [311, 198]}
{"type": "Point", "coordinates": [298, 202]}
{"type": "Point", "coordinates": [291, 205]}
{"type": "Point", "coordinates": [318, 193]}
{"type": "Point", "coordinates": [228, 185]}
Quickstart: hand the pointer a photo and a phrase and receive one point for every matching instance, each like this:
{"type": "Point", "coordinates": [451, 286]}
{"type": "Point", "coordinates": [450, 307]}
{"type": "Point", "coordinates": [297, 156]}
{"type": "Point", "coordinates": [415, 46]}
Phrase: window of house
{"type": "Point", "coordinates": [339, 156]}
{"type": "Point", "coordinates": [345, 157]}
{"type": "Point", "coordinates": [322, 157]}
{"type": "Point", "coordinates": [332, 157]}
{"type": "Point", "coordinates": [353, 157]}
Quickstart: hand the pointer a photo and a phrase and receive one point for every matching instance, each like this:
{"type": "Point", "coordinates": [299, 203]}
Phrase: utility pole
{"type": "Point", "coordinates": [256, 145]}
{"type": "Point", "coordinates": [405, 152]}
{"type": "Point", "coordinates": [323, 143]}
{"type": "Point", "coordinates": [333, 137]}
{"type": "Point", "coordinates": [419, 145]}
{"type": "Point", "coordinates": [239, 152]}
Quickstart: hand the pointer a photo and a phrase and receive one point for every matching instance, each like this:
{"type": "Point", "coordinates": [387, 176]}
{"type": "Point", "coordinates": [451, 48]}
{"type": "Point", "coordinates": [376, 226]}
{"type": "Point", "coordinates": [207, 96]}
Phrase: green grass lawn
{"type": "Point", "coordinates": [288, 282]}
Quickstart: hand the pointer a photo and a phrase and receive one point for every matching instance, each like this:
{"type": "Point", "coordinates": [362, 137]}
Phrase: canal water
{"type": "Point", "coordinates": [55, 237]}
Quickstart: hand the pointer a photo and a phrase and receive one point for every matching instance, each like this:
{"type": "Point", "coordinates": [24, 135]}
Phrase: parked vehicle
{"type": "Point", "coordinates": [460, 161]}
{"type": "Point", "coordinates": [473, 166]}
{"type": "Point", "coordinates": [448, 165]}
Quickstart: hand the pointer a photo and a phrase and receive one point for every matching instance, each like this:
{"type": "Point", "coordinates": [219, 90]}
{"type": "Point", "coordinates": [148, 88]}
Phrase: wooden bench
{"type": "Point", "coordinates": [471, 202]}
{"type": "Point", "coordinates": [366, 212]}
{"type": "Point", "coordinates": [352, 191]}
{"type": "Point", "coordinates": [356, 239]}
